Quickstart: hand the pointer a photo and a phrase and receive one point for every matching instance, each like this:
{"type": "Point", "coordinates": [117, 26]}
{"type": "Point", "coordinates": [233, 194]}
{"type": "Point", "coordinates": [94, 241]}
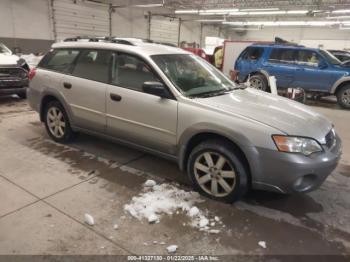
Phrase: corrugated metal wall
{"type": "Point", "coordinates": [77, 18]}
{"type": "Point", "coordinates": [164, 30]}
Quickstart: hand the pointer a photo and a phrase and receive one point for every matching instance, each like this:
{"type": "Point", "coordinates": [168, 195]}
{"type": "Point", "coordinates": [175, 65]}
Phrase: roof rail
{"type": "Point", "coordinates": [107, 39]}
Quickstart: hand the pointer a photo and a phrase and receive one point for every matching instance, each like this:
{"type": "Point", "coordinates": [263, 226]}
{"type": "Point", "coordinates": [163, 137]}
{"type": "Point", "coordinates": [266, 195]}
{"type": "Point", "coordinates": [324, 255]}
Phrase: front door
{"type": "Point", "coordinates": [312, 72]}
{"type": "Point", "coordinates": [132, 115]}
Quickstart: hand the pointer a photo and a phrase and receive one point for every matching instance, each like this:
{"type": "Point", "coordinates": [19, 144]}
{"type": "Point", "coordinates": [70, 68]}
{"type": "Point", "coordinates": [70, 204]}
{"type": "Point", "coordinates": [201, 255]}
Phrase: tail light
{"type": "Point", "coordinates": [234, 75]}
{"type": "Point", "coordinates": [32, 73]}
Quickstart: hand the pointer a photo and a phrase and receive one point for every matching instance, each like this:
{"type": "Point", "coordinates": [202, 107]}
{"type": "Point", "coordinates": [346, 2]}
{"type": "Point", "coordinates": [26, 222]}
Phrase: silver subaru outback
{"type": "Point", "coordinates": [166, 101]}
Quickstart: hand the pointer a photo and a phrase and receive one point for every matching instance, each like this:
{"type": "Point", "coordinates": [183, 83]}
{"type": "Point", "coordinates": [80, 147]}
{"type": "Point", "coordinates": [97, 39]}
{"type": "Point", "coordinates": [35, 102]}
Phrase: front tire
{"type": "Point", "coordinates": [259, 82]}
{"type": "Point", "coordinates": [57, 123]}
{"type": "Point", "coordinates": [343, 97]}
{"type": "Point", "coordinates": [217, 171]}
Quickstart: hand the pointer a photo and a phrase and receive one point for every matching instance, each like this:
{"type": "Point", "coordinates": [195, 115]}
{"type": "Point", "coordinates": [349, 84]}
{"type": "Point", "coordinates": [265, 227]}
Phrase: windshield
{"type": "Point", "coordinates": [192, 75]}
{"type": "Point", "coordinates": [330, 58]}
{"type": "Point", "coordinates": [4, 49]}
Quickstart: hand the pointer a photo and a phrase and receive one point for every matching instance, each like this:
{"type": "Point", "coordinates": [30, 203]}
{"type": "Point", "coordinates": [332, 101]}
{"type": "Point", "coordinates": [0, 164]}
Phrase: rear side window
{"type": "Point", "coordinates": [252, 53]}
{"type": "Point", "coordinates": [60, 60]}
{"type": "Point", "coordinates": [93, 65]}
{"type": "Point", "coordinates": [282, 55]}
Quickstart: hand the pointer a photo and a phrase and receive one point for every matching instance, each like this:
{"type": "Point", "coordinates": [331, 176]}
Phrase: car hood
{"type": "Point", "coordinates": [8, 59]}
{"type": "Point", "coordinates": [288, 116]}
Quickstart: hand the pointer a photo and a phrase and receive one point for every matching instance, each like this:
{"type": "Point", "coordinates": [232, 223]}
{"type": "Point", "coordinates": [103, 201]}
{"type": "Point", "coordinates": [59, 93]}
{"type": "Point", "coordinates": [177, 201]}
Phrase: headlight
{"type": "Point", "coordinates": [294, 144]}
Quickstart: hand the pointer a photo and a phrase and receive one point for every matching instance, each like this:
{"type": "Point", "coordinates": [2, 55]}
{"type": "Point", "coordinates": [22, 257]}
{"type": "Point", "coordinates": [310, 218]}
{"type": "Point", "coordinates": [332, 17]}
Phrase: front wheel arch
{"type": "Point", "coordinates": [196, 139]}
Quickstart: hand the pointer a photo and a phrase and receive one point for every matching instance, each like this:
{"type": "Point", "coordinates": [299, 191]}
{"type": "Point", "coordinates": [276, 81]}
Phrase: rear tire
{"type": "Point", "coordinates": [57, 123]}
{"type": "Point", "coordinates": [259, 82]}
{"type": "Point", "coordinates": [343, 97]}
{"type": "Point", "coordinates": [22, 95]}
{"type": "Point", "coordinates": [217, 171]}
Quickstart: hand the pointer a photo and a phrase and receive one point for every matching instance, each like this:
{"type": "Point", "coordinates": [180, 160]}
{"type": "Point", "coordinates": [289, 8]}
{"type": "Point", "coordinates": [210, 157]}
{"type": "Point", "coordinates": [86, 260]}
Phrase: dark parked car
{"type": "Point", "coordinates": [315, 70]}
{"type": "Point", "coordinates": [341, 55]}
{"type": "Point", "coordinates": [13, 73]}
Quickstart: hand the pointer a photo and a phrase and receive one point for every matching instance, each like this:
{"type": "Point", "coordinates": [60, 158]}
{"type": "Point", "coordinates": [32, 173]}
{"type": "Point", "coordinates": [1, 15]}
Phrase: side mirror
{"type": "Point", "coordinates": [322, 65]}
{"type": "Point", "coordinates": [155, 88]}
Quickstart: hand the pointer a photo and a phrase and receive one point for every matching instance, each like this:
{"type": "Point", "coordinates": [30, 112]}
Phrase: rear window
{"type": "Point", "coordinates": [60, 60]}
{"type": "Point", "coordinates": [252, 53]}
{"type": "Point", "coordinates": [282, 55]}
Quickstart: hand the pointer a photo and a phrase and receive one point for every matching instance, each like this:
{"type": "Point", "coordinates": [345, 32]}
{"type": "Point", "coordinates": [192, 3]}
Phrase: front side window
{"type": "Point", "coordinates": [60, 60]}
{"type": "Point", "coordinates": [131, 72]}
{"type": "Point", "coordinates": [192, 75]}
{"type": "Point", "coordinates": [308, 58]}
{"type": "Point", "coordinates": [93, 65]}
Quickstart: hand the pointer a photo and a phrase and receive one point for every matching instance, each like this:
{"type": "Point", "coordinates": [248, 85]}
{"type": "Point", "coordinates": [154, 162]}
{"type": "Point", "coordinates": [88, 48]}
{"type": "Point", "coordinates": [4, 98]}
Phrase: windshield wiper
{"type": "Point", "coordinates": [212, 93]}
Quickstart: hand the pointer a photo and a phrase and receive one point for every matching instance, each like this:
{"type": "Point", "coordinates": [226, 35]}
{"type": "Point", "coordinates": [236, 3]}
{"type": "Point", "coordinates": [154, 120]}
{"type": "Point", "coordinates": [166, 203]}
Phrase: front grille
{"type": "Point", "coordinates": [330, 138]}
{"type": "Point", "coordinates": [15, 73]}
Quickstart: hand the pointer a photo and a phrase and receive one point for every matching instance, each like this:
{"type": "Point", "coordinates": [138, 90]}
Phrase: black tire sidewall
{"type": "Point", "coordinates": [263, 80]}
{"type": "Point", "coordinates": [339, 96]}
{"type": "Point", "coordinates": [241, 173]}
{"type": "Point", "coordinates": [68, 135]}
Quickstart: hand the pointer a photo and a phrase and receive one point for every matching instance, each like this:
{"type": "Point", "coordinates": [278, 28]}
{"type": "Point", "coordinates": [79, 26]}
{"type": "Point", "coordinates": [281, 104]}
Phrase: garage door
{"type": "Point", "coordinates": [164, 30]}
{"type": "Point", "coordinates": [77, 18]}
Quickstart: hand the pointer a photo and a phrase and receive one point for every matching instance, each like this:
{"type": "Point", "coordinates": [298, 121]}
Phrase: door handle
{"type": "Point", "coordinates": [115, 97]}
{"type": "Point", "coordinates": [67, 85]}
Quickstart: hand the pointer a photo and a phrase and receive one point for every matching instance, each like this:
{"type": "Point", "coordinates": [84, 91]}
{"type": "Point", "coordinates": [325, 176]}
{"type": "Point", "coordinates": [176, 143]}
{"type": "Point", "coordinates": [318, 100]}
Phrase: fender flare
{"type": "Point", "coordinates": [338, 83]}
{"type": "Point", "coordinates": [60, 99]}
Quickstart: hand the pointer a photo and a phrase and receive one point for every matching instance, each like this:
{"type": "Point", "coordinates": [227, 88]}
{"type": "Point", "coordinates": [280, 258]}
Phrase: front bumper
{"type": "Point", "coordinates": [13, 80]}
{"type": "Point", "coordinates": [291, 173]}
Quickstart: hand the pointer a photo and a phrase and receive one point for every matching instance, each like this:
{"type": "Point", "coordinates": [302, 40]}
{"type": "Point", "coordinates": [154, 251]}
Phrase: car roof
{"type": "Point", "coordinates": [284, 46]}
{"type": "Point", "coordinates": [137, 46]}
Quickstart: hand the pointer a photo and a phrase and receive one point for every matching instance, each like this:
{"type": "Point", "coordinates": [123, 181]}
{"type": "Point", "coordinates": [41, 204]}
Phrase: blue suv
{"type": "Point", "coordinates": [315, 70]}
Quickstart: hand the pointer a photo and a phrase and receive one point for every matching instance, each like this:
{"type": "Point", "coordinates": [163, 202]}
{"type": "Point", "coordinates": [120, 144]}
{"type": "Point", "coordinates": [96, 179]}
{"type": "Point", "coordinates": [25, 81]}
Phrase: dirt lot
{"type": "Point", "coordinates": [47, 188]}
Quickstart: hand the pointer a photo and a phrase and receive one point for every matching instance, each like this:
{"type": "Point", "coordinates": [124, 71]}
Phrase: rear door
{"type": "Point", "coordinates": [135, 116]}
{"type": "Point", "coordinates": [85, 89]}
{"type": "Point", "coordinates": [281, 64]}
{"type": "Point", "coordinates": [249, 61]}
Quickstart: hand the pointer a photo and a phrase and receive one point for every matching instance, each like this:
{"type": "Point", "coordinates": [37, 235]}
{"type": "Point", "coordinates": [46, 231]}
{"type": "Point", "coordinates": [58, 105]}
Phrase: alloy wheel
{"type": "Point", "coordinates": [56, 122]}
{"type": "Point", "coordinates": [214, 174]}
{"type": "Point", "coordinates": [256, 83]}
{"type": "Point", "coordinates": [346, 97]}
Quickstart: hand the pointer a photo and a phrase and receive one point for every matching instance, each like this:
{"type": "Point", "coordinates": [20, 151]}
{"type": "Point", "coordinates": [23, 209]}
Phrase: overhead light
{"type": "Point", "coordinates": [341, 11]}
{"type": "Point", "coordinates": [338, 17]}
{"type": "Point", "coordinates": [186, 11]}
{"type": "Point", "coordinates": [267, 13]}
{"type": "Point", "coordinates": [238, 13]}
{"type": "Point", "coordinates": [210, 20]}
{"type": "Point", "coordinates": [297, 12]}
{"type": "Point", "coordinates": [246, 28]}
{"type": "Point", "coordinates": [218, 10]}
{"type": "Point", "coordinates": [149, 5]}
{"type": "Point", "coordinates": [260, 9]}
{"type": "Point", "coordinates": [283, 23]}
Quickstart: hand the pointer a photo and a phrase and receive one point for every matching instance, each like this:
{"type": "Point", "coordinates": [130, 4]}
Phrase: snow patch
{"type": "Point", "coordinates": [262, 244]}
{"type": "Point", "coordinates": [89, 220]}
{"type": "Point", "coordinates": [172, 248]}
{"type": "Point", "coordinates": [167, 199]}
{"type": "Point", "coordinates": [150, 183]}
